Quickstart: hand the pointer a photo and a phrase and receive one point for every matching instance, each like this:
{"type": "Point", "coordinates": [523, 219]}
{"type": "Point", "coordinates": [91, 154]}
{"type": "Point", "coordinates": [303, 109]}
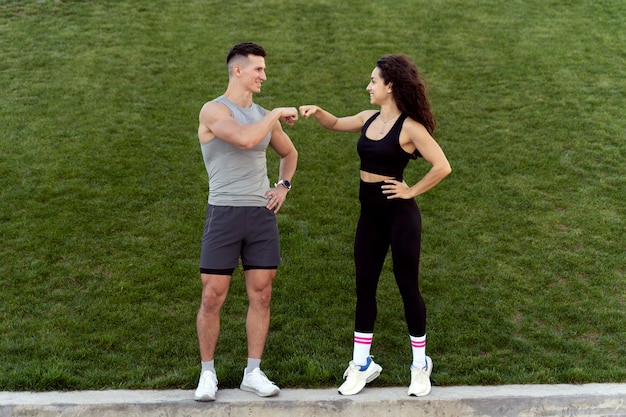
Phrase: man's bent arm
{"type": "Point", "coordinates": [216, 121]}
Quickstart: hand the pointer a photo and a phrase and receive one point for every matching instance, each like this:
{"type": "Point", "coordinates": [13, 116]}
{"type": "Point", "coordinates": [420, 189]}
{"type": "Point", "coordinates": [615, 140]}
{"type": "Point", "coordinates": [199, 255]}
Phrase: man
{"type": "Point", "coordinates": [241, 221]}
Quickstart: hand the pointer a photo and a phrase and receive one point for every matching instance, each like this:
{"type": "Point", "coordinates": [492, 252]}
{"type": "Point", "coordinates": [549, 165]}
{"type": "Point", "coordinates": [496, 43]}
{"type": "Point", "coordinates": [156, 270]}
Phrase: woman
{"type": "Point", "coordinates": [400, 131]}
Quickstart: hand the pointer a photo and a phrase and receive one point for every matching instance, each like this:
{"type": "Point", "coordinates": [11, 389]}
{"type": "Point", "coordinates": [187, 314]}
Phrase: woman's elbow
{"type": "Point", "coordinates": [444, 170]}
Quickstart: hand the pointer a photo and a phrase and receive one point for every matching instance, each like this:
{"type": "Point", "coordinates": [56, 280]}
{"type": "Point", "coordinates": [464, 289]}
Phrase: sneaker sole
{"type": "Point", "coordinates": [204, 398]}
{"type": "Point", "coordinates": [377, 369]}
{"type": "Point", "coordinates": [420, 394]}
{"type": "Point", "coordinates": [260, 394]}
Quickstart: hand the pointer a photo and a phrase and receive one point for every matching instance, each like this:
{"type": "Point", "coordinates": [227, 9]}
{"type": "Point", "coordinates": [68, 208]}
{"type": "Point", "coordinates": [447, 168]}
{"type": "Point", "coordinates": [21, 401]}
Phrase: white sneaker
{"type": "Point", "coordinates": [420, 379]}
{"type": "Point", "coordinates": [257, 382]}
{"type": "Point", "coordinates": [207, 387]}
{"type": "Point", "coordinates": [357, 376]}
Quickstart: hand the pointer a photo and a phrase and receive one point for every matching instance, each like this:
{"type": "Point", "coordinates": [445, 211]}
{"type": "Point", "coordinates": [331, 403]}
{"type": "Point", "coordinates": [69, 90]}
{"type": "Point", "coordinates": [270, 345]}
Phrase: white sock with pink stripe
{"type": "Point", "coordinates": [362, 345]}
{"type": "Point", "coordinates": [418, 346]}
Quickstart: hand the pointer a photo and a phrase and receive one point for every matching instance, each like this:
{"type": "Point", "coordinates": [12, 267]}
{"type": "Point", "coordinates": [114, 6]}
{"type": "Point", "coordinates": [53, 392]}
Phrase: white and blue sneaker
{"type": "Point", "coordinates": [420, 379]}
{"type": "Point", "coordinates": [357, 376]}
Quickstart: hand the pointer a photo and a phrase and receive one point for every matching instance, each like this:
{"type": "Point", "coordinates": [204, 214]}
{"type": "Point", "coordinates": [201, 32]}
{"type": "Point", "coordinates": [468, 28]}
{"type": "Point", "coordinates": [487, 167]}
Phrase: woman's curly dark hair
{"type": "Point", "coordinates": [409, 89]}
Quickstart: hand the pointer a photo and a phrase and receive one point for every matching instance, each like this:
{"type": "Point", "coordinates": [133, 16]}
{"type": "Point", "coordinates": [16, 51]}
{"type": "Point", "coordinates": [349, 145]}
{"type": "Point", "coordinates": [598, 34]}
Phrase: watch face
{"type": "Point", "coordinates": [287, 183]}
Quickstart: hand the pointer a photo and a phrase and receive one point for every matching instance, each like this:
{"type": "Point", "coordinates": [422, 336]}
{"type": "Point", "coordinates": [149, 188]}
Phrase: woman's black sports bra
{"type": "Point", "coordinates": [384, 156]}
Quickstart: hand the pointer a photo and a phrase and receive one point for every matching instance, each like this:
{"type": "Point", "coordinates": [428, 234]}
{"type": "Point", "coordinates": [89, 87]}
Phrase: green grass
{"type": "Point", "coordinates": [103, 190]}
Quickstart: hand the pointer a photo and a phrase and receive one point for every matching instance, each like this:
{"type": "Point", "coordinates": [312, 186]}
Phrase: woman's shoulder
{"type": "Point", "coordinates": [366, 115]}
{"type": "Point", "coordinates": [414, 131]}
{"type": "Point", "coordinates": [413, 125]}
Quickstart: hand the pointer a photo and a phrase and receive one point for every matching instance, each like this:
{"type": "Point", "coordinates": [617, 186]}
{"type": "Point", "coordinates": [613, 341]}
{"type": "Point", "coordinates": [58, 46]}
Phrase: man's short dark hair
{"type": "Point", "coordinates": [245, 49]}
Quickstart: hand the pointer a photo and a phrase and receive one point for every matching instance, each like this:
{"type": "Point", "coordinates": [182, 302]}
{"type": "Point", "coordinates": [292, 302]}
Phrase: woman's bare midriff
{"type": "Point", "coordinates": [369, 177]}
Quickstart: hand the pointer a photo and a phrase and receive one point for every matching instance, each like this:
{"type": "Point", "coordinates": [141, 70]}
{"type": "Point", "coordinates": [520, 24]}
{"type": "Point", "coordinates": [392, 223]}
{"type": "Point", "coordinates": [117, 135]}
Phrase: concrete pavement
{"type": "Point", "coordinates": [483, 401]}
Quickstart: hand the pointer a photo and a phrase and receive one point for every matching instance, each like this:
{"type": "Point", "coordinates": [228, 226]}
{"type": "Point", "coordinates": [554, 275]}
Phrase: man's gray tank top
{"type": "Point", "coordinates": [237, 177]}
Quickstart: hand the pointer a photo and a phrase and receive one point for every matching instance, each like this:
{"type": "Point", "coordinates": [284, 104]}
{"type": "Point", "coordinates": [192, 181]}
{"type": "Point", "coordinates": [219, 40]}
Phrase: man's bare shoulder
{"type": "Point", "coordinates": [214, 106]}
{"type": "Point", "coordinates": [211, 113]}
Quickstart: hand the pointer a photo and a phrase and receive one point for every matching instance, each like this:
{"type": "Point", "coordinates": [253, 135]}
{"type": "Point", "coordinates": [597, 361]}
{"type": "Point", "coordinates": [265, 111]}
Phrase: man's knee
{"type": "Point", "coordinates": [261, 297]}
{"type": "Point", "coordinates": [210, 304]}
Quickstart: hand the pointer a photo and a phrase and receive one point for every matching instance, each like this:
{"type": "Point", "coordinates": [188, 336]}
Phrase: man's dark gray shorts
{"type": "Point", "coordinates": [230, 233]}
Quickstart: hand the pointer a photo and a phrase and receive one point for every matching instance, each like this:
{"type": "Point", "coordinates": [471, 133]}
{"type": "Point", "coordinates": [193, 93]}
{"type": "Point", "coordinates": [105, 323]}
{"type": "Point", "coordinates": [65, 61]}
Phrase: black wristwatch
{"type": "Point", "coordinates": [284, 183]}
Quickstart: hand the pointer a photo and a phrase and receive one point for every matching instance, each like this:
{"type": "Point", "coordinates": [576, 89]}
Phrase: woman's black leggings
{"type": "Point", "coordinates": [383, 223]}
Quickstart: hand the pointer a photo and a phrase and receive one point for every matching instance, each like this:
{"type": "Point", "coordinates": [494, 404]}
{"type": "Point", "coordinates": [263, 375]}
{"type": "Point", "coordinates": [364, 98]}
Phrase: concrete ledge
{"type": "Point", "coordinates": [501, 401]}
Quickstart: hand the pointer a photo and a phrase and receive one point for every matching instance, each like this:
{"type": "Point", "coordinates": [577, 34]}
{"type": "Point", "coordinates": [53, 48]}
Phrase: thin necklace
{"type": "Point", "coordinates": [382, 128]}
